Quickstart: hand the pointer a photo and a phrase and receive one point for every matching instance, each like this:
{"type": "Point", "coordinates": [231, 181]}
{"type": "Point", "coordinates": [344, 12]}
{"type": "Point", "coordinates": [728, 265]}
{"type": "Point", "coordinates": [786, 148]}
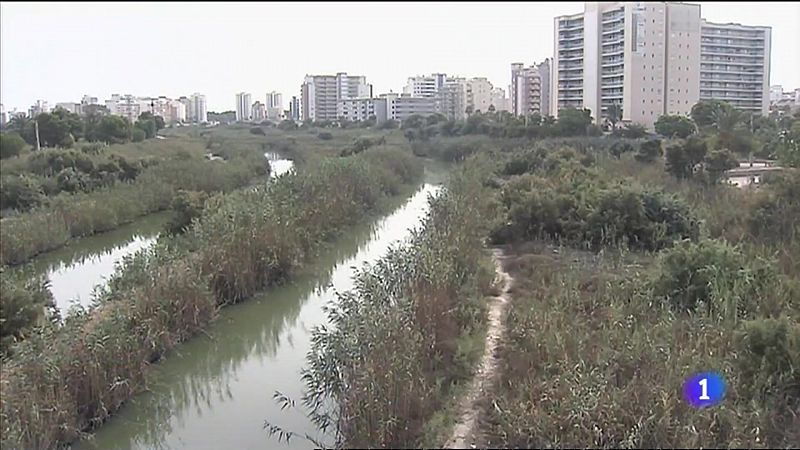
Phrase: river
{"type": "Point", "coordinates": [216, 391]}
{"type": "Point", "coordinates": [76, 270]}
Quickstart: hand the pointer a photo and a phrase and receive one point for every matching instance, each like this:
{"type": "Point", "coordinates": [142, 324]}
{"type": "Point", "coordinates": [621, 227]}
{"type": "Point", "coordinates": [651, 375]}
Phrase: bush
{"type": "Point", "coordinates": [649, 151]}
{"type": "Point", "coordinates": [325, 136]}
{"type": "Point", "coordinates": [713, 274]}
{"type": "Point", "coordinates": [258, 131]}
{"type": "Point", "coordinates": [769, 366]}
{"type": "Point", "coordinates": [674, 126]}
{"type": "Point", "coordinates": [22, 303]}
{"type": "Point", "coordinates": [20, 192]}
{"type": "Point", "coordinates": [138, 135]}
{"type": "Point", "coordinates": [11, 144]}
{"type": "Point", "coordinates": [775, 217]}
{"type": "Point", "coordinates": [186, 206]}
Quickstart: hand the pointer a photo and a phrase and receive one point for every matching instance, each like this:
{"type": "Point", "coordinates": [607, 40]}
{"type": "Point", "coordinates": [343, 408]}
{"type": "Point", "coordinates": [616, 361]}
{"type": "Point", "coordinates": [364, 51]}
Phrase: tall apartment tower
{"type": "Point", "coordinates": [427, 86]}
{"type": "Point", "coordinates": [244, 104]}
{"type": "Point", "coordinates": [530, 89]}
{"type": "Point", "coordinates": [274, 105]}
{"type": "Point", "coordinates": [319, 94]}
{"type": "Point", "coordinates": [294, 109]}
{"type": "Point", "coordinates": [198, 105]}
{"type": "Point", "coordinates": [647, 58]}
{"type": "Point", "coordinates": [735, 65]}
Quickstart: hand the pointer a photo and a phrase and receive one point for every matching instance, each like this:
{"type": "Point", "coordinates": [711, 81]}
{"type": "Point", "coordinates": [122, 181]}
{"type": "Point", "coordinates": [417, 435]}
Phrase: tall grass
{"type": "Point", "coordinates": [69, 216]}
{"type": "Point", "coordinates": [71, 378]}
{"type": "Point", "coordinates": [404, 337]}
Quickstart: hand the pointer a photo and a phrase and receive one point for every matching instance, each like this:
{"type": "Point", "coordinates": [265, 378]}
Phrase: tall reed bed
{"type": "Point", "coordinates": [405, 335]}
{"type": "Point", "coordinates": [71, 378]}
{"type": "Point", "coordinates": [69, 216]}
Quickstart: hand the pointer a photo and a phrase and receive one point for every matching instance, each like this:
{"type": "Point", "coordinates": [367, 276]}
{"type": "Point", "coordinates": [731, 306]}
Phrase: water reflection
{"type": "Point", "coordinates": [75, 270]}
{"type": "Point", "coordinates": [216, 391]}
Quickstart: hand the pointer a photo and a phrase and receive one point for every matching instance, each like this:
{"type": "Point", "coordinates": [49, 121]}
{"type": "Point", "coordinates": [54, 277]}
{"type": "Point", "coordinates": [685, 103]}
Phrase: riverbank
{"type": "Point", "coordinates": [246, 241]}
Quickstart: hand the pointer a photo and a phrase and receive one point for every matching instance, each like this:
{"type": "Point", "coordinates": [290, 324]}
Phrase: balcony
{"type": "Point", "coordinates": [570, 87]}
{"type": "Point", "coordinates": [731, 62]}
{"type": "Point", "coordinates": [570, 25]}
{"type": "Point", "coordinates": [571, 78]}
{"type": "Point", "coordinates": [719, 43]}
{"type": "Point", "coordinates": [725, 69]}
{"type": "Point", "coordinates": [711, 50]}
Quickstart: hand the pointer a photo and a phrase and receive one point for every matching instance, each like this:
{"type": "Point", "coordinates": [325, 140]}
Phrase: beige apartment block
{"type": "Point", "coordinates": [648, 58]}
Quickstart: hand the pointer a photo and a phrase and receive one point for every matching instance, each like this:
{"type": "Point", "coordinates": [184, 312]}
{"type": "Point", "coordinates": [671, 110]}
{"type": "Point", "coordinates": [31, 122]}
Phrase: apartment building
{"type": "Point", "coordinates": [735, 65]}
{"type": "Point", "coordinates": [244, 111]}
{"type": "Point", "coordinates": [425, 85]}
{"type": "Point", "coordinates": [451, 100]}
{"type": "Point", "coordinates": [294, 109]}
{"type": "Point", "coordinates": [199, 112]}
{"type": "Point", "coordinates": [320, 94]}
{"type": "Point", "coordinates": [479, 94]}
{"type": "Point", "coordinates": [655, 58]}
{"type": "Point", "coordinates": [358, 109]}
{"type": "Point", "coordinates": [530, 89]}
{"type": "Point", "coordinates": [500, 101]}
{"type": "Point", "coordinates": [274, 105]}
{"type": "Point", "coordinates": [259, 112]}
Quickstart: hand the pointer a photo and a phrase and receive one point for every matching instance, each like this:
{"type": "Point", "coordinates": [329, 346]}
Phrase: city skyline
{"type": "Point", "coordinates": [510, 33]}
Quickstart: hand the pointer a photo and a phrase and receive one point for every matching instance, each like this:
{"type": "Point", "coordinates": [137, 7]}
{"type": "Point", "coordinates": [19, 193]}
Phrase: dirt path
{"type": "Point", "coordinates": [469, 410]}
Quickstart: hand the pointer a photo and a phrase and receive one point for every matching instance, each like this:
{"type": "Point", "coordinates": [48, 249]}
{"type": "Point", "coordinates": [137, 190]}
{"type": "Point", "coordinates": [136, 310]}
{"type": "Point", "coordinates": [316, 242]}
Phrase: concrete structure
{"type": "Point", "coordinates": [781, 102]}
{"type": "Point", "coordinates": [655, 58]}
{"type": "Point", "coordinates": [70, 106]}
{"type": "Point", "coordinates": [3, 116]}
{"type": "Point", "coordinates": [479, 94]}
{"type": "Point", "coordinates": [530, 89]}
{"type": "Point", "coordinates": [39, 107]}
{"type": "Point", "coordinates": [176, 112]}
{"type": "Point", "coordinates": [294, 109]}
{"type": "Point", "coordinates": [259, 112]}
{"type": "Point", "coordinates": [735, 65]}
{"type": "Point", "coordinates": [274, 106]}
{"type": "Point", "coordinates": [401, 107]}
{"type": "Point", "coordinates": [425, 85]}
{"type": "Point", "coordinates": [451, 100]}
{"type": "Point", "coordinates": [357, 109]}
{"type": "Point", "coordinates": [126, 106]}
{"type": "Point", "coordinates": [244, 104]}
{"type": "Point", "coordinates": [199, 113]}
{"type": "Point", "coordinates": [500, 101]}
{"type": "Point", "coordinates": [320, 94]}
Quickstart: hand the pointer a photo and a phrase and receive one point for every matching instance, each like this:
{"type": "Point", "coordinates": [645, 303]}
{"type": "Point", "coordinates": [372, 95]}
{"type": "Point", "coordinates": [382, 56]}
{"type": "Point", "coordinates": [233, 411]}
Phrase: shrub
{"type": "Point", "coordinates": [22, 303]}
{"type": "Point", "coordinates": [674, 126]}
{"type": "Point", "coordinates": [713, 274]}
{"type": "Point", "coordinates": [258, 131]}
{"type": "Point", "coordinates": [620, 148]}
{"type": "Point", "coordinates": [325, 136]}
{"type": "Point", "coordinates": [775, 217]}
{"type": "Point", "coordinates": [11, 144]}
{"type": "Point", "coordinates": [649, 151]}
{"type": "Point", "coordinates": [138, 135]}
{"type": "Point", "coordinates": [20, 192]}
{"type": "Point", "coordinates": [186, 206]}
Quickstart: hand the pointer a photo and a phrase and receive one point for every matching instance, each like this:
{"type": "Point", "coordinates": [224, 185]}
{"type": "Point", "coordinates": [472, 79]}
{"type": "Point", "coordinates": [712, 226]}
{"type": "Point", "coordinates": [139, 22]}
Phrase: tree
{"type": "Point", "coordinates": [469, 110]}
{"type": "Point", "coordinates": [73, 121]}
{"type": "Point", "coordinates": [52, 130]}
{"type": "Point", "coordinates": [138, 135]}
{"type": "Point", "coordinates": [413, 121]}
{"type": "Point", "coordinates": [619, 148]}
{"type": "Point", "coordinates": [632, 131]}
{"type": "Point", "coordinates": [147, 125]}
{"type": "Point", "coordinates": [573, 122]}
{"type": "Point", "coordinates": [11, 144]}
{"type": "Point", "coordinates": [678, 162]}
{"type": "Point", "coordinates": [614, 114]}
{"type": "Point", "coordinates": [717, 163]}
{"type": "Point", "coordinates": [674, 126]}
{"type": "Point", "coordinates": [704, 112]}
{"type": "Point", "coordinates": [159, 123]}
{"type": "Point", "coordinates": [287, 125]}
{"type": "Point", "coordinates": [649, 151]}
{"type": "Point", "coordinates": [114, 129]}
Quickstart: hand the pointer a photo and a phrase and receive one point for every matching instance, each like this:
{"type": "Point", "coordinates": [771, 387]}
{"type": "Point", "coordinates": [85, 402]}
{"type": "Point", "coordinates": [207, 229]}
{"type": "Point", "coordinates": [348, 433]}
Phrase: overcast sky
{"type": "Point", "coordinates": [58, 52]}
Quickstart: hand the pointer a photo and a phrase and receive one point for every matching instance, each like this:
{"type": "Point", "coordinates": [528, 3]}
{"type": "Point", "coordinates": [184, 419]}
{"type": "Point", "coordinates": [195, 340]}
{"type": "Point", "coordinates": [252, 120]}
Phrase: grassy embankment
{"type": "Point", "coordinates": [65, 379]}
{"type": "Point", "coordinates": [627, 282]}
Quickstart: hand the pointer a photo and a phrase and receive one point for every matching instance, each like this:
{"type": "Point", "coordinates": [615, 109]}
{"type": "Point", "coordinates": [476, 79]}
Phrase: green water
{"type": "Point", "coordinates": [74, 270]}
{"type": "Point", "coordinates": [216, 391]}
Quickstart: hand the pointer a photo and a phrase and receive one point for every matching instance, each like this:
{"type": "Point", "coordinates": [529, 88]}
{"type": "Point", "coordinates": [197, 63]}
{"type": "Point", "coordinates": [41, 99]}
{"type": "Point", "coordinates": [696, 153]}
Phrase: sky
{"type": "Point", "coordinates": [60, 51]}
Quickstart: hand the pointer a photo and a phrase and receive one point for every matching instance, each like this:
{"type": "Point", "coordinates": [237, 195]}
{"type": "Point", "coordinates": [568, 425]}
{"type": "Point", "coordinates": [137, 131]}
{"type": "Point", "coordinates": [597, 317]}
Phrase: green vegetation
{"type": "Point", "coordinates": [629, 277]}
{"type": "Point", "coordinates": [67, 378]}
{"type": "Point", "coordinates": [402, 342]}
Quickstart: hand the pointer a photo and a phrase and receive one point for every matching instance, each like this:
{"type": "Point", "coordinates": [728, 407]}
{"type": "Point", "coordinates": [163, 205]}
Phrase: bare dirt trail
{"type": "Point", "coordinates": [469, 410]}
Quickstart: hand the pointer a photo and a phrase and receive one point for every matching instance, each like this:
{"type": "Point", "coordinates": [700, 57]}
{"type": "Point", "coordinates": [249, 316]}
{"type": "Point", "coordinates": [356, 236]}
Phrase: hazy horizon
{"type": "Point", "coordinates": [59, 52]}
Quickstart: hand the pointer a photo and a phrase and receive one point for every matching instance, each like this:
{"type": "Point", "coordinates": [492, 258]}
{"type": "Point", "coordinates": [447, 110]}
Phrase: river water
{"type": "Point", "coordinates": [216, 391]}
{"type": "Point", "coordinates": [76, 270]}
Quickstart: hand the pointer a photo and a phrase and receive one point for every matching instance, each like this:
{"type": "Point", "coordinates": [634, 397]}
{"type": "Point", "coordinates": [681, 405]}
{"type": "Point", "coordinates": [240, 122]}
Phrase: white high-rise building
{"type": "Point", "coordinates": [479, 94]}
{"type": "Point", "coordinates": [244, 104]}
{"type": "Point", "coordinates": [320, 94]}
{"type": "Point", "coordinates": [451, 100]}
{"type": "Point", "coordinates": [655, 58]}
{"type": "Point", "coordinates": [530, 89]}
{"type": "Point", "coordinates": [735, 65]}
{"type": "Point", "coordinates": [274, 105]}
{"type": "Point", "coordinates": [425, 85]}
{"type": "Point", "coordinates": [259, 112]}
{"type": "Point", "coordinates": [198, 107]}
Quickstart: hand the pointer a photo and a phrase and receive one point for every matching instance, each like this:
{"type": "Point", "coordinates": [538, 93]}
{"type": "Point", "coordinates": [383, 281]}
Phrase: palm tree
{"type": "Point", "coordinates": [614, 114]}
